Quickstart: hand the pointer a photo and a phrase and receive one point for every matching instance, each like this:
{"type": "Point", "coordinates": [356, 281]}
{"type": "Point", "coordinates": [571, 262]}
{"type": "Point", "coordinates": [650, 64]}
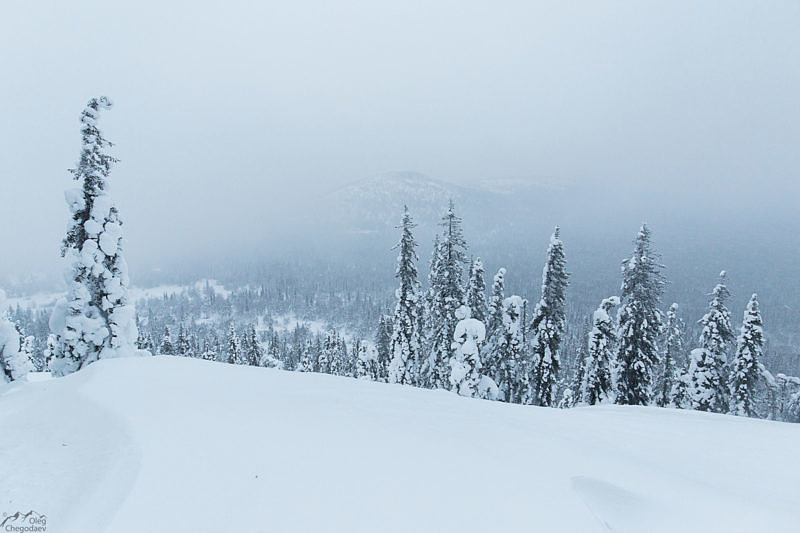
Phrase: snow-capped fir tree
{"type": "Point", "coordinates": [50, 350]}
{"type": "Point", "coordinates": [495, 307]}
{"type": "Point", "coordinates": [579, 362]}
{"type": "Point", "coordinates": [209, 353]}
{"type": "Point", "coordinates": [639, 322]}
{"type": "Point", "coordinates": [323, 359]}
{"type": "Point", "coordinates": [669, 371]}
{"type": "Point", "coordinates": [746, 365]}
{"type": "Point", "coordinates": [184, 347]}
{"type": "Point", "coordinates": [431, 319]}
{"type": "Point", "coordinates": [335, 352]}
{"type": "Point", "coordinates": [367, 362]}
{"type": "Point", "coordinates": [447, 295]}
{"type": "Point", "coordinates": [476, 292]}
{"type": "Point", "coordinates": [233, 347]}
{"type": "Point", "coordinates": [253, 353]}
{"type": "Point", "coordinates": [307, 358]}
{"type": "Point", "coordinates": [165, 347]}
{"type": "Point", "coordinates": [707, 380]}
{"type": "Point", "coordinates": [383, 344]}
{"type": "Point", "coordinates": [271, 357]}
{"type": "Point", "coordinates": [141, 339]}
{"type": "Point", "coordinates": [548, 324]}
{"type": "Point", "coordinates": [148, 344]}
{"type": "Point", "coordinates": [15, 352]}
{"type": "Point", "coordinates": [97, 320]}
{"type": "Point", "coordinates": [406, 344]}
{"type": "Point", "coordinates": [512, 376]}
{"type": "Point", "coordinates": [597, 368]}
{"type": "Point", "coordinates": [465, 364]}
{"type": "Point", "coordinates": [680, 396]}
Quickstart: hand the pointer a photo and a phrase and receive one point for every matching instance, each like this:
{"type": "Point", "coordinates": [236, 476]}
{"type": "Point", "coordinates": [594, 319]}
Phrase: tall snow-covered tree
{"type": "Point", "coordinates": [669, 372]}
{"type": "Point", "coordinates": [447, 295]}
{"type": "Point", "coordinates": [383, 345]}
{"type": "Point", "coordinates": [512, 375]}
{"type": "Point", "coordinates": [476, 292]}
{"type": "Point", "coordinates": [548, 324]}
{"type": "Point", "coordinates": [184, 347]}
{"type": "Point", "coordinates": [15, 353]}
{"type": "Point", "coordinates": [598, 365]}
{"type": "Point", "coordinates": [165, 347]}
{"type": "Point", "coordinates": [406, 343]}
{"type": "Point", "coordinates": [96, 320]}
{"type": "Point", "coordinates": [707, 380]}
{"type": "Point", "coordinates": [306, 362]}
{"type": "Point", "coordinates": [254, 353]}
{"type": "Point", "coordinates": [495, 308]}
{"type": "Point", "coordinates": [746, 368]}
{"type": "Point", "coordinates": [639, 322]}
{"type": "Point", "coordinates": [334, 351]}
{"type": "Point", "coordinates": [579, 361]}
{"type": "Point", "coordinates": [209, 351]}
{"type": "Point", "coordinates": [367, 362]}
{"type": "Point", "coordinates": [465, 364]}
{"type": "Point", "coordinates": [233, 347]}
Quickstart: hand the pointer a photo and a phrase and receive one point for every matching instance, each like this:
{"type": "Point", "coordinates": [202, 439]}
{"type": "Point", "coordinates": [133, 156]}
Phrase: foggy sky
{"type": "Point", "coordinates": [227, 114]}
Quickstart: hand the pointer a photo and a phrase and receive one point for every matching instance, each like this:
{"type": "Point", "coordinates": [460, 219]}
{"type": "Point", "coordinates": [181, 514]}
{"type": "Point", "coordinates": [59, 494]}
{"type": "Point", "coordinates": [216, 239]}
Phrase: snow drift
{"type": "Point", "coordinates": [184, 445]}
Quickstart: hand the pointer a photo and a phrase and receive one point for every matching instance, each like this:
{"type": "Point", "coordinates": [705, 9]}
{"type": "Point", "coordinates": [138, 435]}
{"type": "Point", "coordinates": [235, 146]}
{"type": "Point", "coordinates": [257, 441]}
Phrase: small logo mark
{"type": "Point", "coordinates": [19, 522]}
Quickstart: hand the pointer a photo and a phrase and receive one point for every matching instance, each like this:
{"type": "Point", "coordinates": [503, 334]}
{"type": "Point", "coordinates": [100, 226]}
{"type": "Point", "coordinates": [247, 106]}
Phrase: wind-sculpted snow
{"type": "Point", "coordinates": [167, 444]}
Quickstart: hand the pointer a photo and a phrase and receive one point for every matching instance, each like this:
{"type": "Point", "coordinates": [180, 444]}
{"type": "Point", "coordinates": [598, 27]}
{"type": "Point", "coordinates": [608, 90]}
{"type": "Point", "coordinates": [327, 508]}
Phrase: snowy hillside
{"type": "Point", "coordinates": [184, 445]}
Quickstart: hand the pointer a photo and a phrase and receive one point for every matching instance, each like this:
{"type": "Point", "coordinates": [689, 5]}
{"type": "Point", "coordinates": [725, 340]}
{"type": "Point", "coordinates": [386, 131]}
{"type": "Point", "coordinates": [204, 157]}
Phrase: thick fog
{"type": "Point", "coordinates": [231, 117]}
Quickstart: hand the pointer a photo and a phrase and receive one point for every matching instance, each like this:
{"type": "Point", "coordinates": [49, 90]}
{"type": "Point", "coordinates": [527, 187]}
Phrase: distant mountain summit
{"type": "Point", "coordinates": [374, 205]}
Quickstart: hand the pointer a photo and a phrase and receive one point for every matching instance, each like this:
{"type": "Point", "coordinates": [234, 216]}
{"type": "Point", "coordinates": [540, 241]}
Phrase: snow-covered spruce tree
{"type": "Point", "coordinates": [253, 353]}
{"type": "Point", "coordinates": [165, 347]}
{"type": "Point", "coordinates": [15, 353]}
{"type": "Point", "coordinates": [465, 364]}
{"type": "Point", "coordinates": [335, 351]}
{"type": "Point", "coordinates": [383, 344]}
{"type": "Point", "coordinates": [306, 361]}
{"type": "Point", "coordinates": [548, 324]}
{"type": "Point", "coordinates": [495, 308]}
{"type": "Point", "coordinates": [431, 319]}
{"type": "Point", "coordinates": [707, 380]}
{"type": "Point", "coordinates": [271, 357]}
{"type": "Point", "coordinates": [669, 370]}
{"type": "Point", "coordinates": [367, 362]}
{"type": "Point", "coordinates": [579, 361]}
{"type": "Point", "coordinates": [209, 353]}
{"type": "Point", "coordinates": [233, 347]}
{"type": "Point", "coordinates": [406, 343]}
{"type": "Point", "coordinates": [512, 376]}
{"type": "Point", "coordinates": [494, 327]}
{"type": "Point", "coordinates": [746, 365]}
{"type": "Point", "coordinates": [447, 295]}
{"type": "Point", "coordinates": [97, 320]}
{"type": "Point", "coordinates": [639, 322]}
{"type": "Point", "coordinates": [597, 367]}
{"type": "Point", "coordinates": [680, 396]}
{"type": "Point", "coordinates": [476, 292]}
{"type": "Point", "coordinates": [184, 347]}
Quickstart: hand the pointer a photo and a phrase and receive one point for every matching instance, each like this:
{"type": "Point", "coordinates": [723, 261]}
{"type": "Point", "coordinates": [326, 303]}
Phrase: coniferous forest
{"type": "Point", "coordinates": [452, 332]}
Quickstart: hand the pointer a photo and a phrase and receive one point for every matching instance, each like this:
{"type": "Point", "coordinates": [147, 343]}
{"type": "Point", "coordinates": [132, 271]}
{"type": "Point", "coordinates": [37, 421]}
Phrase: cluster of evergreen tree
{"type": "Point", "coordinates": [638, 358]}
{"type": "Point", "coordinates": [451, 337]}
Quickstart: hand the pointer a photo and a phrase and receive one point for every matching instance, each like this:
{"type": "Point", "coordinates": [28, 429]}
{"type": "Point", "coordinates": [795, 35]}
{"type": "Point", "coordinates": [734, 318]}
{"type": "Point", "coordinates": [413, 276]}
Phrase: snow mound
{"type": "Point", "coordinates": [185, 445]}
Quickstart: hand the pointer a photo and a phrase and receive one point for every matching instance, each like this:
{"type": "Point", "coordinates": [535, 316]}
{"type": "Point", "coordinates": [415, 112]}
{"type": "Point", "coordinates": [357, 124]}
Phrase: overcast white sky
{"type": "Point", "coordinates": [245, 106]}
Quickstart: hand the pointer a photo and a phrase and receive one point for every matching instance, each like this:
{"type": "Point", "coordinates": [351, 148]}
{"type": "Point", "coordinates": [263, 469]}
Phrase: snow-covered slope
{"type": "Point", "coordinates": [183, 445]}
